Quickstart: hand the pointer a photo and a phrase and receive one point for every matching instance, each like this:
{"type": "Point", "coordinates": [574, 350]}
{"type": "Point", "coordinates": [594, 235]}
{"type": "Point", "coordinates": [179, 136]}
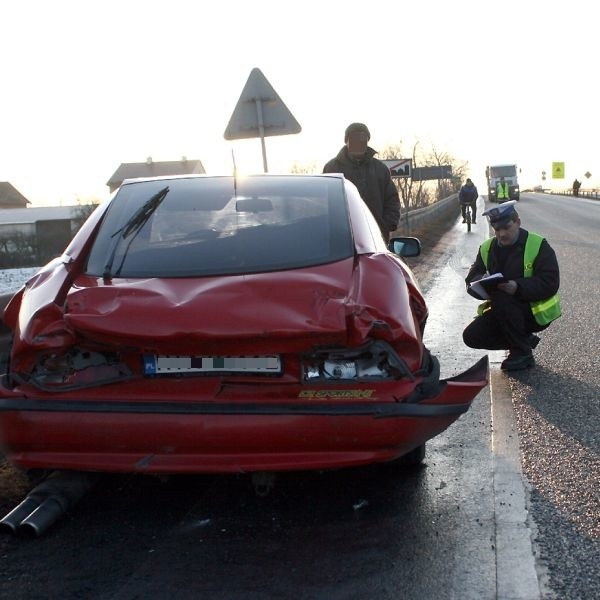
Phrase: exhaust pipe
{"type": "Point", "coordinates": [47, 502]}
{"type": "Point", "coordinates": [13, 519]}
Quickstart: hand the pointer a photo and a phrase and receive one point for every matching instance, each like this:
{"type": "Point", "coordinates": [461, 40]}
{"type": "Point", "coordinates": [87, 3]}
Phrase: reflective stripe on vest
{"type": "Point", "coordinates": [547, 310]}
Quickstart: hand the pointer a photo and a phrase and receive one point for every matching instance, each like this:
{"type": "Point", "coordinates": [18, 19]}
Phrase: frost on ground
{"type": "Point", "coordinates": [11, 280]}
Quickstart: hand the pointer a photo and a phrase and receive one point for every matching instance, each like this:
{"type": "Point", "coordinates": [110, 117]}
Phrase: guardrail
{"type": "Point", "coordinates": [415, 219]}
{"type": "Point", "coordinates": [594, 194]}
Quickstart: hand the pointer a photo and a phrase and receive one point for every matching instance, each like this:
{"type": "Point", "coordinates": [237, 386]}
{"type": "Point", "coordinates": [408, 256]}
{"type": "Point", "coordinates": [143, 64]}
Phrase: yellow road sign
{"type": "Point", "coordinates": [558, 170]}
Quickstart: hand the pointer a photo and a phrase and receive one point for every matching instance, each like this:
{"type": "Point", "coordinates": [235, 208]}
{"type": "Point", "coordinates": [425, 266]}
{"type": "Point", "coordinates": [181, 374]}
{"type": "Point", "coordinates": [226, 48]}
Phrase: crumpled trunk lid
{"type": "Point", "coordinates": [284, 311]}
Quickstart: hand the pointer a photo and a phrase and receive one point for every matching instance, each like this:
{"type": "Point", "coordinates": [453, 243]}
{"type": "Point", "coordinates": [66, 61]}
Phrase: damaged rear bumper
{"type": "Point", "coordinates": [188, 437]}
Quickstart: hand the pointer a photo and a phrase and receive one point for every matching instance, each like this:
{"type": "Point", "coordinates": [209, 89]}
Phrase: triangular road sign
{"type": "Point", "coordinates": [260, 112]}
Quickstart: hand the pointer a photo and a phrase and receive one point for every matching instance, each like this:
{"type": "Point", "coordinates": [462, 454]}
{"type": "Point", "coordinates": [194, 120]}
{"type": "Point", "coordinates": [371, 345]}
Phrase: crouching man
{"type": "Point", "coordinates": [527, 300]}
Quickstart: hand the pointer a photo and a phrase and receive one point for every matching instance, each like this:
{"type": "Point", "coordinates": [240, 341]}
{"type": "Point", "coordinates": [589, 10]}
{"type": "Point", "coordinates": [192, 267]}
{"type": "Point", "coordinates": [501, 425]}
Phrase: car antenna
{"type": "Point", "coordinates": [234, 174]}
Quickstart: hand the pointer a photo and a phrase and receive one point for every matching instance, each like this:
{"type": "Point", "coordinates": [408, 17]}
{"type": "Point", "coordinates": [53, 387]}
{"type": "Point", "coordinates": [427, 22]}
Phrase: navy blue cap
{"type": "Point", "coordinates": [501, 215]}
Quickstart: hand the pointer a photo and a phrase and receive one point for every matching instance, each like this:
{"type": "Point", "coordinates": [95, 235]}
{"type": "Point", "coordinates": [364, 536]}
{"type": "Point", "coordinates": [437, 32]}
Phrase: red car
{"type": "Point", "coordinates": [216, 324]}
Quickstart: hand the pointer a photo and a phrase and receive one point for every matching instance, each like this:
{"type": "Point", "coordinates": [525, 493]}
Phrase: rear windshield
{"type": "Point", "coordinates": [206, 226]}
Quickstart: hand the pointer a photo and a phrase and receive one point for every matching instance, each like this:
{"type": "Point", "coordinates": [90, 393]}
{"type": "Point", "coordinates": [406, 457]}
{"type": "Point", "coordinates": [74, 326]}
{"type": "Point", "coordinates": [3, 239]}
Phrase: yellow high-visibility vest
{"type": "Point", "coordinates": [503, 191]}
{"type": "Point", "coordinates": [544, 311]}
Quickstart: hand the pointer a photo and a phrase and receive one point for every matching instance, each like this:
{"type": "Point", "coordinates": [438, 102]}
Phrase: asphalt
{"type": "Point", "coordinates": [555, 408]}
{"type": "Point", "coordinates": [450, 310]}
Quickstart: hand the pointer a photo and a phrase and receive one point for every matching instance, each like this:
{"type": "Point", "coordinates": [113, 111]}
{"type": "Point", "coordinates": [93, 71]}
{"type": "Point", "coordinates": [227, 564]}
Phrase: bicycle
{"type": "Point", "coordinates": [468, 218]}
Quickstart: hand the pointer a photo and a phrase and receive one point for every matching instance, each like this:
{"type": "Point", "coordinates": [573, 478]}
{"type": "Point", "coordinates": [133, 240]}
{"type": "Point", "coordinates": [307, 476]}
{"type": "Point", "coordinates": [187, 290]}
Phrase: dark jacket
{"type": "Point", "coordinates": [468, 193]}
{"type": "Point", "coordinates": [509, 261]}
{"type": "Point", "coordinates": [374, 183]}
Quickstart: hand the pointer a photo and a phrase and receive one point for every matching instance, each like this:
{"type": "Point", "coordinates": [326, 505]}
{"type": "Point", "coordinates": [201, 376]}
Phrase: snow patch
{"type": "Point", "coordinates": [11, 280]}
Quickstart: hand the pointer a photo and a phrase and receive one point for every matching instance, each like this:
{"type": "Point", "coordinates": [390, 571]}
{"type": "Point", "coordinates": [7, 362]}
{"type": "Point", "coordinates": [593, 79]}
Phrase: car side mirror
{"type": "Point", "coordinates": [405, 246]}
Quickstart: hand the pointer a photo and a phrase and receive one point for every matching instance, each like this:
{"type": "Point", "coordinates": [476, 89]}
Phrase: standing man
{"type": "Point", "coordinates": [356, 160]}
{"type": "Point", "coordinates": [467, 196]}
{"type": "Point", "coordinates": [526, 302]}
{"type": "Point", "coordinates": [576, 186]}
{"type": "Point", "coordinates": [502, 191]}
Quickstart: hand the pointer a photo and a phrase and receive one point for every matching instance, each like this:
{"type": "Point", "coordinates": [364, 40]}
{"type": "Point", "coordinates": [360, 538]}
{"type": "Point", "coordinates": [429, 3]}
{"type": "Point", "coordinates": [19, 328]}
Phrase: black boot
{"type": "Point", "coordinates": [518, 362]}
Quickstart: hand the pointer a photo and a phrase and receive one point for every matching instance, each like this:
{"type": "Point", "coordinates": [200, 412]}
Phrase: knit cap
{"type": "Point", "coordinates": [356, 127]}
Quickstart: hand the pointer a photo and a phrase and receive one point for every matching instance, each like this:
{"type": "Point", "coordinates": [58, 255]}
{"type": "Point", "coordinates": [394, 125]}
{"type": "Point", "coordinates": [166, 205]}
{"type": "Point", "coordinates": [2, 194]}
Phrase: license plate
{"type": "Point", "coordinates": [174, 365]}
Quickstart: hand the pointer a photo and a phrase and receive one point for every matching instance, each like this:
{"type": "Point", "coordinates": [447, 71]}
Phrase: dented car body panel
{"type": "Point", "coordinates": [206, 324]}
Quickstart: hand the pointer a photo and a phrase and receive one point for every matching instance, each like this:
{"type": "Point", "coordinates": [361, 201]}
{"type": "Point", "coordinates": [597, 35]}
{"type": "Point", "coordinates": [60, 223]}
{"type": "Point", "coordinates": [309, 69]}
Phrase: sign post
{"type": "Point", "coordinates": [260, 112]}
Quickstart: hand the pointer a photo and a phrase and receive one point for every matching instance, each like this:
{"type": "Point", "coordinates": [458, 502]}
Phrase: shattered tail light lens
{"type": "Point", "coordinates": [375, 361]}
{"type": "Point", "coordinates": [75, 369]}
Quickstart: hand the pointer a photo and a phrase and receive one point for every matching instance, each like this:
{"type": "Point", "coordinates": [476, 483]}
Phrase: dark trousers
{"type": "Point", "coordinates": [506, 326]}
{"type": "Point", "coordinates": [473, 205]}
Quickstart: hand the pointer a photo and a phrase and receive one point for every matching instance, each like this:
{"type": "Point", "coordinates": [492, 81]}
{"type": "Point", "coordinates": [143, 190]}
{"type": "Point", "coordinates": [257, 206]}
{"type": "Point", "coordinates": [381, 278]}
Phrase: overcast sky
{"type": "Point", "coordinates": [88, 85]}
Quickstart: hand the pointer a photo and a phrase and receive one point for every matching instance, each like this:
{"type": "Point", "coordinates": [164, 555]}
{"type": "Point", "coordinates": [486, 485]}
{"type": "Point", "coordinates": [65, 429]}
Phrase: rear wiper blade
{"type": "Point", "coordinates": [142, 214]}
{"type": "Point", "coordinates": [133, 225]}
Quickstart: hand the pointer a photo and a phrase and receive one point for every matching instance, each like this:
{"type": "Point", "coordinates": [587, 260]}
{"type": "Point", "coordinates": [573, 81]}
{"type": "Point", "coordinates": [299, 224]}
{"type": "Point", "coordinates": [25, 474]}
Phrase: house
{"type": "Point", "coordinates": [10, 197]}
{"type": "Point", "coordinates": [24, 220]}
{"type": "Point", "coordinates": [33, 236]}
{"type": "Point", "coordinates": [153, 169]}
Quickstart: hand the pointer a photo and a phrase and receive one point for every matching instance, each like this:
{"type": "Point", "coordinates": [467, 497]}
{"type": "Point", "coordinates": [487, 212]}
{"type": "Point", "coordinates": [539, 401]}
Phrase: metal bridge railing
{"type": "Point", "coordinates": [594, 194]}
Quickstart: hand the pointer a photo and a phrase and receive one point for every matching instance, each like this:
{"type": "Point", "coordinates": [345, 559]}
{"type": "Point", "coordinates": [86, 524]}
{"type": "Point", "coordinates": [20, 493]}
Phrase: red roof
{"type": "Point", "coordinates": [11, 197]}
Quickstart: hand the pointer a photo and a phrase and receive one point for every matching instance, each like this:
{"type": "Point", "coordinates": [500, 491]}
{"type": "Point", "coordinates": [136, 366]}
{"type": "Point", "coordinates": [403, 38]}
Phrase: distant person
{"type": "Point", "coordinates": [526, 303]}
{"type": "Point", "coordinates": [467, 196]}
{"type": "Point", "coordinates": [502, 190]}
{"type": "Point", "coordinates": [576, 186]}
{"type": "Point", "coordinates": [356, 160]}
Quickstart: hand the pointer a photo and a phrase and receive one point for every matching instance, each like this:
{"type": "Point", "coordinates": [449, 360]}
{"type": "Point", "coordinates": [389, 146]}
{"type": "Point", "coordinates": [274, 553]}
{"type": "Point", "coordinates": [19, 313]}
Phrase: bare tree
{"type": "Point", "coordinates": [459, 170]}
{"type": "Point", "coordinates": [81, 213]}
{"type": "Point", "coordinates": [415, 194]}
{"type": "Point", "coordinates": [304, 168]}
{"type": "Point", "coordinates": [412, 193]}
{"type": "Point", "coordinates": [18, 250]}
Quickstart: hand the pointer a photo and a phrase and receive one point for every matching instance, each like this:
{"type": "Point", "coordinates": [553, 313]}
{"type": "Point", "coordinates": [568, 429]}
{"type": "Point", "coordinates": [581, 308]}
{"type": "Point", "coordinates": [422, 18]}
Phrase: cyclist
{"type": "Point", "coordinates": [468, 197]}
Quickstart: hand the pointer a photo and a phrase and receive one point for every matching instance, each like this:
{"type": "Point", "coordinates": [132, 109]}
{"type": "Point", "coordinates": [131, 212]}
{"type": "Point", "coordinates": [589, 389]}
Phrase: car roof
{"type": "Point", "coordinates": [254, 175]}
